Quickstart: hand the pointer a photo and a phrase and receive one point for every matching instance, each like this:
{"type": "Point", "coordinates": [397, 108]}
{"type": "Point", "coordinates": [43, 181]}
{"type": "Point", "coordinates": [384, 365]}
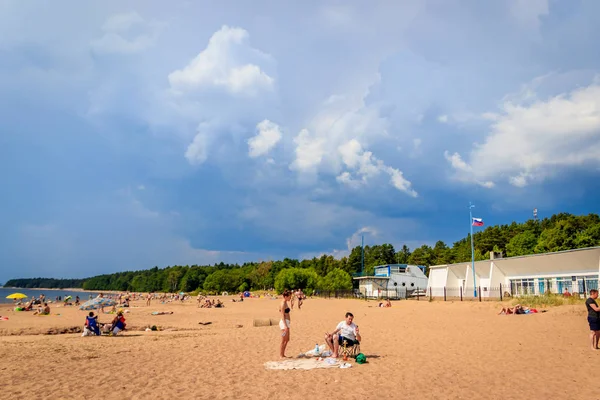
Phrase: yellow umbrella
{"type": "Point", "coordinates": [17, 296]}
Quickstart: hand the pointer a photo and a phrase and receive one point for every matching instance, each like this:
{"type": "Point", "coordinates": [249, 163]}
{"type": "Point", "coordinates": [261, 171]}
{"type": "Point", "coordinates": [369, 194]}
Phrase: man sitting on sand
{"type": "Point", "coordinates": [91, 325]}
{"type": "Point", "coordinates": [43, 310]}
{"type": "Point", "coordinates": [345, 331]}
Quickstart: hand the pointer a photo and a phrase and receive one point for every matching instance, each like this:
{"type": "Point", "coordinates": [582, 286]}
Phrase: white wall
{"type": "Point", "coordinates": [437, 280]}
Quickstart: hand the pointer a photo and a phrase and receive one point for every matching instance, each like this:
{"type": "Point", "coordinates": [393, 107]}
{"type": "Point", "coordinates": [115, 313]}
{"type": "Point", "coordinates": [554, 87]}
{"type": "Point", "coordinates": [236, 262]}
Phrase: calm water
{"type": "Point", "coordinates": [50, 294]}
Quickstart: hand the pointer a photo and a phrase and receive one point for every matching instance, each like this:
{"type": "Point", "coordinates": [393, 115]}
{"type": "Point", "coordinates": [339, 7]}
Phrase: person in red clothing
{"type": "Point", "coordinates": [118, 323]}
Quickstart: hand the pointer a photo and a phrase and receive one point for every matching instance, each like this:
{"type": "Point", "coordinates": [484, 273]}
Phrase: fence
{"type": "Point", "coordinates": [396, 293]}
{"type": "Point", "coordinates": [480, 293]}
{"type": "Point", "coordinates": [469, 293]}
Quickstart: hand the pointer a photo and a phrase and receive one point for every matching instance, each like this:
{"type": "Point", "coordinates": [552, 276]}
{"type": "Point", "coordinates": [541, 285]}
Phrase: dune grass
{"type": "Point", "coordinates": [548, 300]}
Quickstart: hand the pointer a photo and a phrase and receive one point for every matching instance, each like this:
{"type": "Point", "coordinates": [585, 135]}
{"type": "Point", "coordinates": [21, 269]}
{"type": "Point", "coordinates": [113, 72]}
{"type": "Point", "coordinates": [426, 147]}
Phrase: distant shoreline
{"type": "Point", "coordinates": [65, 289]}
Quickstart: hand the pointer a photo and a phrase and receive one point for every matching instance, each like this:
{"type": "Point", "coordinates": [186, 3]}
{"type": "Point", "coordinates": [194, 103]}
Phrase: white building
{"type": "Point", "coordinates": [393, 281]}
{"type": "Point", "coordinates": [575, 270]}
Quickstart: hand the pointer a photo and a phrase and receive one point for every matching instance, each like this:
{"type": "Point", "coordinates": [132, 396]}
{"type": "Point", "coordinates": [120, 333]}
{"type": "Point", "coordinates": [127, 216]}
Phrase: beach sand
{"type": "Point", "coordinates": [415, 349]}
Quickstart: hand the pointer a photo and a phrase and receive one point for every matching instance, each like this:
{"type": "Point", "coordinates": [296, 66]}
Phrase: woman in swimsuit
{"type": "Point", "coordinates": [284, 322]}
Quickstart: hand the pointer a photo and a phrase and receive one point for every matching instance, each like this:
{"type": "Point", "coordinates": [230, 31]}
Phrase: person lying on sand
{"type": "Point", "coordinates": [517, 310]}
{"type": "Point", "coordinates": [345, 331]}
{"type": "Point", "coordinates": [162, 312]}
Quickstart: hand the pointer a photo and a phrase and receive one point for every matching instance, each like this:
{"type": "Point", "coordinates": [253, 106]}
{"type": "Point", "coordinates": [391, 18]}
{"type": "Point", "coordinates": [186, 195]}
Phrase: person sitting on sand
{"type": "Point", "coordinates": [91, 325]}
{"type": "Point", "coordinates": [118, 323]}
{"type": "Point", "coordinates": [346, 331]}
{"type": "Point", "coordinates": [43, 310]}
{"type": "Point", "coordinates": [386, 304]}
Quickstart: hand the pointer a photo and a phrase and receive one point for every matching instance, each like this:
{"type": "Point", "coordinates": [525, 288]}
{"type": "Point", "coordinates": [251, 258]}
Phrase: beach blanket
{"type": "Point", "coordinates": [307, 363]}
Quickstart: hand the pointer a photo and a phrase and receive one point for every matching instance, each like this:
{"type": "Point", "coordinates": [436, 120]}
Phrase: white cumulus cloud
{"type": "Point", "coordinates": [367, 166]}
{"type": "Point", "coordinates": [531, 142]}
{"type": "Point", "coordinates": [227, 62]}
{"type": "Point", "coordinates": [269, 134]}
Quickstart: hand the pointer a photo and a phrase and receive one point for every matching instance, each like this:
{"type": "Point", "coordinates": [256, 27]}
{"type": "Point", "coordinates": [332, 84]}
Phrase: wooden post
{"type": "Point", "coordinates": [479, 293]}
{"type": "Point", "coordinates": [444, 293]}
{"type": "Point", "coordinates": [430, 293]}
{"type": "Point", "coordinates": [461, 290]}
{"type": "Point", "coordinates": [501, 292]}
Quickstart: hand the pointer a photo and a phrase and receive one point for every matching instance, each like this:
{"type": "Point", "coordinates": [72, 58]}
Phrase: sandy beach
{"type": "Point", "coordinates": [416, 348]}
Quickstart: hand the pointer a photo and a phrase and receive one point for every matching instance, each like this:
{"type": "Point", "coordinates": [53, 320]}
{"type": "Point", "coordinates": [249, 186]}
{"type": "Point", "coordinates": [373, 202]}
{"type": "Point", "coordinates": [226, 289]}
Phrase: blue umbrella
{"type": "Point", "coordinates": [97, 303]}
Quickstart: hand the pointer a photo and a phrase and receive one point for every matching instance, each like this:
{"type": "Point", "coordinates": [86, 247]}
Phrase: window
{"type": "Point", "coordinates": [523, 286]}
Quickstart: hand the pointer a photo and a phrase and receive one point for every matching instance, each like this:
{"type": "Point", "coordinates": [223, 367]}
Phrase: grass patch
{"type": "Point", "coordinates": [547, 300]}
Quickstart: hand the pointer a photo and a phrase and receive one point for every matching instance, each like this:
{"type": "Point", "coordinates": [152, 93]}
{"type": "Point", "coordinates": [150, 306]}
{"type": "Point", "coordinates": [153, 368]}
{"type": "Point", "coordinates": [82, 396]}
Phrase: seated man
{"type": "Point", "coordinates": [91, 325]}
{"type": "Point", "coordinates": [43, 310]}
{"type": "Point", "coordinates": [344, 331]}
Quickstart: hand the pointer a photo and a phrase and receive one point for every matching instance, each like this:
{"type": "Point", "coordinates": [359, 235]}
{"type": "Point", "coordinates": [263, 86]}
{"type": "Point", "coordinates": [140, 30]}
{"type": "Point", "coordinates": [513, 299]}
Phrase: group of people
{"type": "Point", "coordinates": [93, 327]}
{"type": "Point", "coordinates": [298, 295]}
{"type": "Point", "coordinates": [205, 302]}
{"type": "Point", "coordinates": [346, 333]}
{"type": "Point", "coordinates": [517, 310]}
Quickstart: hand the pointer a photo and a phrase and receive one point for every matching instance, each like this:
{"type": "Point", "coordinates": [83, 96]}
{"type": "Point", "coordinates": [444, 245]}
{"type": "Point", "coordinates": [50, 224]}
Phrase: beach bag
{"type": "Point", "coordinates": [361, 358]}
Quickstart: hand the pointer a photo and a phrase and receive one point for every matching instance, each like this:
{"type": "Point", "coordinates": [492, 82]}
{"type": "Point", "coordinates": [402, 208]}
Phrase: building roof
{"type": "Point", "coordinates": [372, 277]}
{"type": "Point", "coordinates": [567, 261]}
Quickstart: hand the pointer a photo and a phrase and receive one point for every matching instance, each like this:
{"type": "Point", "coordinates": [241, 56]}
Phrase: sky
{"type": "Point", "coordinates": [148, 133]}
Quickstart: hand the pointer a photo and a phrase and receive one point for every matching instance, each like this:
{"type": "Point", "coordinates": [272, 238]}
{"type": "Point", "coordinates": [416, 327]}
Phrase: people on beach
{"type": "Point", "coordinates": [91, 325]}
{"type": "Point", "coordinates": [385, 304]}
{"type": "Point", "coordinates": [300, 296]}
{"type": "Point", "coordinates": [517, 310]}
{"type": "Point", "coordinates": [345, 333]}
{"type": "Point", "coordinates": [148, 299]}
{"type": "Point", "coordinates": [45, 310]}
{"type": "Point", "coordinates": [292, 299]}
{"type": "Point", "coordinates": [118, 323]}
{"type": "Point", "coordinates": [285, 322]}
{"type": "Point", "coordinates": [593, 318]}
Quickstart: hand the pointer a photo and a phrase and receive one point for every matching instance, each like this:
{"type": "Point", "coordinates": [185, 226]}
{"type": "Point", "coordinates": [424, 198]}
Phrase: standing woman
{"type": "Point", "coordinates": [284, 322]}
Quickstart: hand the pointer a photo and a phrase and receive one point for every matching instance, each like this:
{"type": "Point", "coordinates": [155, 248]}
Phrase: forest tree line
{"type": "Point", "coordinates": [560, 232]}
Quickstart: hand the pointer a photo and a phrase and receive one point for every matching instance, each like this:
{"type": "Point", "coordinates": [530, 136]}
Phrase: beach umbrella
{"type": "Point", "coordinates": [97, 303]}
{"type": "Point", "coordinates": [17, 296]}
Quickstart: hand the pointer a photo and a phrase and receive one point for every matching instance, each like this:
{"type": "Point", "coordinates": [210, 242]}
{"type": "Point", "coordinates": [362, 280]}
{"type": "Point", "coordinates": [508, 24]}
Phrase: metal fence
{"type": "Point", "coordinates": [480, 293]}
{"type": "Point", "coordinates": [396, 293]}
{"type": "Point", "coordinates": [500, 292]}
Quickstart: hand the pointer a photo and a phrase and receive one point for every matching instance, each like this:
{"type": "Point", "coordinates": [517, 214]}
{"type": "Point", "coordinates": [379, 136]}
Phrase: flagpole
{"type": "Point", "coordinates": [472, 250]}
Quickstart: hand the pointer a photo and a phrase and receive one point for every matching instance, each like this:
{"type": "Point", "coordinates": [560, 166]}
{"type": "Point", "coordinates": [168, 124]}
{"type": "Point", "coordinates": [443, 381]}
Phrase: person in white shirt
{"type": "Point", "coordinates": [344, 331]}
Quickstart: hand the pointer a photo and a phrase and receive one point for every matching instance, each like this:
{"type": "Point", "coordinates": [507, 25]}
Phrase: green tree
{"type": "Point", "coordinates": [336, 279]}
{"type": "Point", "coordinates": [522, 244]}
{"type": "Point", "coordinates": [403, 255]}
{"type": "Point", "coordinates": [296, 278]}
